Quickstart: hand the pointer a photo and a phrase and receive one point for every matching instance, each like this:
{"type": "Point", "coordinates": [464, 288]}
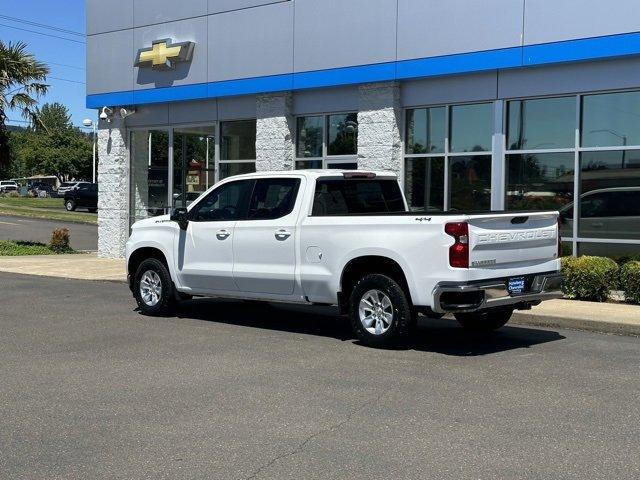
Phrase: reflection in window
{"type": "Point", "coordinates": [223, 203]}
{"type": "Point", "coordinates": [343, 134]}
{"type": "Point", "coordinates": [310, 133]}
{"type": "Point", "coordinates": [193, 163]}
{"type": "Point", "coordinates": [307, 164]}
{"type": "Point", "coordinates": [231, 169]}
{"type": "Point", "coordinates": [541, 123]}
{"type": "Point", "coordinates": [149, 173]}
{"type": "Point", "coordinates": [539, 181]}
{"type": "Point", "coordinates": [610, 195]}
{"type": "Point", "coordinates": [470, 183]}
{"type": "Point", "coordinates": [426, 130]}
{"type": "Point", "coordinates": [238, 140]}
{"type": "Point", "coordinates": [611, 120]}
{"type": "Point", "coordinates": [621, 252]}
{"type": "Point", "coordinates": [471, 128]}
{"type": "Point", "coordinates": [424, 180]}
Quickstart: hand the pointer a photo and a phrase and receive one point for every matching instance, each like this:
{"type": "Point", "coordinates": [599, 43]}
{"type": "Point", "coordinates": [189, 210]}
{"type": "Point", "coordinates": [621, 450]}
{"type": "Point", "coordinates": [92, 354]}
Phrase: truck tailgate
{"type": "Point", "coordinates": [512, 239]}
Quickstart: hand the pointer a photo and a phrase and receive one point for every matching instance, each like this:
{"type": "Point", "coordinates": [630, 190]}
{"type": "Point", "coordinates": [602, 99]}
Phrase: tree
{"type": "Point", "coordinates": [51, 117]}
{"type": "Point", "coordinates": [22, 80]}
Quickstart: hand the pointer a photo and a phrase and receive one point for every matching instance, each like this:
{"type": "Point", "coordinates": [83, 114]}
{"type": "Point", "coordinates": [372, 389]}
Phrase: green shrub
{"type": "Point", "coordinates": [589, 278]}
{"type": "Point", "coordinates": [12, 248]}
{"type": "Point", "coordinates": [60, 240]}
{"type": "Point", "coordinates": [630, 281]}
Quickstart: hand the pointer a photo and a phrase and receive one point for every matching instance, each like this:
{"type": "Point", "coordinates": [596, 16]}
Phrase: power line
{"type": "Point", "coordinates": [67, 80]}
{"type": "Point", "coordinates": [42, 25]}
{"type": "Point", "coordinates": [41, 33]}
{"type": "Point", "coordinates": [63, 65]}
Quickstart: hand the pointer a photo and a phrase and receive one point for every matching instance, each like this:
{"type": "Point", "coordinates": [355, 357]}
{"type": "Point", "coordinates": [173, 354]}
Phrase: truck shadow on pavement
{"type": "Point", "coordinates": [443, 336]}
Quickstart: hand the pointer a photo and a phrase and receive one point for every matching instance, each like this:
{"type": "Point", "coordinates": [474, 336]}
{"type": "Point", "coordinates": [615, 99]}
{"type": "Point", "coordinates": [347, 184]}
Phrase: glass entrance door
{"type": "Point", "coordinates": [193, 163]}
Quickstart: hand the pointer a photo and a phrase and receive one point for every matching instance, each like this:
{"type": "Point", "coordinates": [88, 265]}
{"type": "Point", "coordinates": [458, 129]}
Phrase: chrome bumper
{"type": "Point", "coordinates": [469, 297]}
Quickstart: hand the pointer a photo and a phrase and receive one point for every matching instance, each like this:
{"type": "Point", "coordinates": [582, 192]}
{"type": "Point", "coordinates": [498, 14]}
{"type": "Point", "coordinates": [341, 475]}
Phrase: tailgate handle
{"type": "Point", "coordinates": [519, 220]}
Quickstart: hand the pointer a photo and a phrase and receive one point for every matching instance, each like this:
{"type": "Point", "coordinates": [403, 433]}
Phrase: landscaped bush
{"type": "Point", "coordinates": [630, 281]}
{"type": "Point", "coordinates": [589, 278]}
{"type": "Point", "coordinates": [10, 248]}
{"type": "Point", "coordinates": [60, 240]}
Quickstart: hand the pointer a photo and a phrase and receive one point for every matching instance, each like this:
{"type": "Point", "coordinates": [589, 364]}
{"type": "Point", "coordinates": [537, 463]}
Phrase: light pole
{"type": "Point", "coordinates": [90, 123]}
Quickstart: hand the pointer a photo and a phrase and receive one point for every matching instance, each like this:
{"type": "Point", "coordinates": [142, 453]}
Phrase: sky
{"type": "Point", "coordinates": [66, 59]}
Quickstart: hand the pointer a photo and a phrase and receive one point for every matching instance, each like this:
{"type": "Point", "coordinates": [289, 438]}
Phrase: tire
{"type": "Point", "coordinates": [389, 325]}
{"type": "Point", "coordinates": [485, 320]}
{"type": "Point", "coordinates": [153, 278]}
{"type": "Point", "coordinates": [70, 205]}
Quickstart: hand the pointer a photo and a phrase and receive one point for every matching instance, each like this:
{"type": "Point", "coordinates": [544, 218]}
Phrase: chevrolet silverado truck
{"type": "Point", "coordinates": [345, 238]}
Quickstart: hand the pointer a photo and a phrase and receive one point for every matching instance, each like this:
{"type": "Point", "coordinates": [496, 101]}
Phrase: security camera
{"type": "Point", "coordinates": [106, 113]}
{"type": "Point", "coordinates": [124, 112]}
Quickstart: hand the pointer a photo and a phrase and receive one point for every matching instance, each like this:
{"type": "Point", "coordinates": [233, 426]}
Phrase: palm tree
{"type": "Point", "coordinates": [22, 80]}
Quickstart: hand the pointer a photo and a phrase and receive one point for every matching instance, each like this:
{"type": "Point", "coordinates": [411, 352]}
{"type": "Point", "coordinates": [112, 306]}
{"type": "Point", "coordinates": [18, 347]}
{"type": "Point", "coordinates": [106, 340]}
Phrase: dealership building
{"type": "Point", "coordinates": [477, 105]}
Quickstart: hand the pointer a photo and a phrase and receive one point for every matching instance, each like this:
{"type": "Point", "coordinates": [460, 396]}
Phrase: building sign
{"type": "Point", "coordinates": [163, 54]}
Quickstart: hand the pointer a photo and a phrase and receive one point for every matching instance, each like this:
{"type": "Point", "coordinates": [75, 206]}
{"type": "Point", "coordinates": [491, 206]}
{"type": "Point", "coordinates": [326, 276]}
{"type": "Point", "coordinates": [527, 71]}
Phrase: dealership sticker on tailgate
{"type": "Point", "coordinates": [516, 285]}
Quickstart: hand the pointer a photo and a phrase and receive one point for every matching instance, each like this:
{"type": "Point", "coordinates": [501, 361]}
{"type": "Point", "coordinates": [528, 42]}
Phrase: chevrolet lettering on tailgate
{"type": "Point", "coordinates": [508, 237]}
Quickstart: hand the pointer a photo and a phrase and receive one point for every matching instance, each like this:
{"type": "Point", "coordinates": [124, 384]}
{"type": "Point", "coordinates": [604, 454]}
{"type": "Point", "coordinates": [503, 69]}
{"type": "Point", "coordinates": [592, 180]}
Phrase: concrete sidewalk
{"type": "Point", "coordinates": [614, 318]}
{"type": "Point", "coordinates": [76, 266]}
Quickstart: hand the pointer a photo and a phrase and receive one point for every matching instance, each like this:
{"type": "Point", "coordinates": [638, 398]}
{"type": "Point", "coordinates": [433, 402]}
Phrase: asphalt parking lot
{"type": "Point", "coordinates": [90, 389]}
{"type": "Point", "coordinates": [82, 236]}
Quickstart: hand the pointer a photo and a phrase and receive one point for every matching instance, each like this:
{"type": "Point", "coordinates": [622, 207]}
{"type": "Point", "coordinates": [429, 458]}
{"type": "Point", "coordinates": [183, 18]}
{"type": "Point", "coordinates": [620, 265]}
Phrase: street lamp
{"type": "Point", "coordinates": [90, 123]}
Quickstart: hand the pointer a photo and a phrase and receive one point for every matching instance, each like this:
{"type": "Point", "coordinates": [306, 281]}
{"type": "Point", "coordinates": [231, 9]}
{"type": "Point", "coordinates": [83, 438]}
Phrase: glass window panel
{"type": "Point", "coordinates": [238, 140]}
{"type": "Point", "coordinates": [611, 119]}
{"type": "Point", "coordinates": [541, 123]}
{"type": "Point", "coordinates": [342, 166]}
{"type": "Point", "coordinates": [426, 130]}
{"type": "Point", "coordinates": [343, 134]}
{"type": "Point", "coordinates": [231, 169]}
{"type": "Point", "coordinates": [149, 173]}
{"type": "Point", "coordinates": [540, 181]}
{"type": "Point", "coordinates": [193, 163]}
{"type": "Point", "coordinates": [223, 203]}
{"type": "Point", "coordinates": [621, 252]}
{"type": "Point", "coordinates": [470, 183]}
{"type": "Point", "coordinates": [339, 197]}
{"type": "Point", "coordinates": [310, 132]}
{"type": "Point", "coordinates": [610, 195]}
{"type": "Point", "coordinates": [424, 183]}
{"type": "Point", "coordinates": [471, 128]}
{"type": "Point", "coordinates": [306, 164]}
{"type": "Point", "coordinates": [273, 198]}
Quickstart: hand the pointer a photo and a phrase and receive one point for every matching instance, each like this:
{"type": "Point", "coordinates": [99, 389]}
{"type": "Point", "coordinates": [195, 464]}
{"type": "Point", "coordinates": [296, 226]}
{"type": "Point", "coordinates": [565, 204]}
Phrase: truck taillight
{"type": "Point", "coordinates": [459, 251]}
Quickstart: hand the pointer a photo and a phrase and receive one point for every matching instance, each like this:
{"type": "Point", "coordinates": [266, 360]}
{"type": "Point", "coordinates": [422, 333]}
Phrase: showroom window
{"type": "Point", "coordinates": [237, 148]}
{"type": "Point", "coordinates": [327, 141]}
{"type": "Point", "coordinates": [597, 136]}
{"type": "Point", "coordinates": [448, 157]}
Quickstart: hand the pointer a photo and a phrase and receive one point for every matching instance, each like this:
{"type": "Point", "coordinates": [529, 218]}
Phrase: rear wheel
{"type": "Point", "coordinates": [380, 311]}
{"type": "Point", "coordinates": [153, 288]}
{"type": "Point", "coordinates": [486, 320]}
{"type": "Point", "coordinates": [70, 205]}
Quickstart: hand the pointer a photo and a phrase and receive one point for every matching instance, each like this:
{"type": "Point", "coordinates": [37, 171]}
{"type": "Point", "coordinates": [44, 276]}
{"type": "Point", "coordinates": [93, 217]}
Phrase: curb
{"type": "Point", "coordinates": [598, 326]}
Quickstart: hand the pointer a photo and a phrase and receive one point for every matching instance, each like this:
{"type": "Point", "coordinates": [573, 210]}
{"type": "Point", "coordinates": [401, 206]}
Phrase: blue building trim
{"type": "Point", "coordinates": [527, 56]}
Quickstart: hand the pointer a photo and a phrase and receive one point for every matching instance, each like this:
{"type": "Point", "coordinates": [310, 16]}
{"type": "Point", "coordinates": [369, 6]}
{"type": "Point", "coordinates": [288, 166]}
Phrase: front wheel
{"type": "Point", "coordinates": [380, 311]}
{"type": "Point", "coordinates": [153, 288]}
{"type": "Point", "coordinates": [486, 320]}
{"type": "Point", "coordinates": [70, 205]}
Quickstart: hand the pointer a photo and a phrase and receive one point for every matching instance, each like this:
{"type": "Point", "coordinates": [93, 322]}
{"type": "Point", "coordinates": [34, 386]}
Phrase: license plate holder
{"type": "Point", "coordinates": [516, 285]}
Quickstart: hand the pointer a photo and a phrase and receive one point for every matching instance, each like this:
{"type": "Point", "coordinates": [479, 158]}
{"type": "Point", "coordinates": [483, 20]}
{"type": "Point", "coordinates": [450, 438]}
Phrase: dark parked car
{"type": "Point", "coordinates": [85, 196]}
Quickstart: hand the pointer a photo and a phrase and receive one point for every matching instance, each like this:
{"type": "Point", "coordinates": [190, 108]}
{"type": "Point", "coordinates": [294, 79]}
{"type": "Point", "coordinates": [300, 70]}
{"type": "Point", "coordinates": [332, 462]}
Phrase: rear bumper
{"type": "Point", "coordinates": [472, 296]}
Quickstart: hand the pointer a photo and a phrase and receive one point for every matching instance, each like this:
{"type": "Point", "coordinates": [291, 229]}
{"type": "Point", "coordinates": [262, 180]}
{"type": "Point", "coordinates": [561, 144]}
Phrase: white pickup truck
{"type": "Point", "coordinates": [345, 238]}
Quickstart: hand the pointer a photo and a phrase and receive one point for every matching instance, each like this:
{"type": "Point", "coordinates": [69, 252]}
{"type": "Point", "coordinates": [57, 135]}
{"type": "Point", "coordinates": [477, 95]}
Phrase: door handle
{"type": "Point", "coordinates": [223, 234]}
{"type": "Point", "coordinates": [282, 234]}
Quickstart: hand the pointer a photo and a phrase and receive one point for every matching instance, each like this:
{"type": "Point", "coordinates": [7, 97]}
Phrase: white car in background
{"type": "Point", "coordinates": [67, 186]}
{"type": "Point", "coordinates": [8, 186]}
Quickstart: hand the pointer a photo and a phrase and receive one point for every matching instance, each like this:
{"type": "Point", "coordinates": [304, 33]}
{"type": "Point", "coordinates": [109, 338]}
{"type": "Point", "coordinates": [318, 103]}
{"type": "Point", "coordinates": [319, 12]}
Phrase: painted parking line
{"type": "Point", "coordinates": [8, 223]}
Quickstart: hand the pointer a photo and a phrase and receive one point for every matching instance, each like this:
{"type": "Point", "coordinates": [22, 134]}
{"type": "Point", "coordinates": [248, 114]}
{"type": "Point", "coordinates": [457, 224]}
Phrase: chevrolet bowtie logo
{"type": "Point", "coordinates": [163, 54]}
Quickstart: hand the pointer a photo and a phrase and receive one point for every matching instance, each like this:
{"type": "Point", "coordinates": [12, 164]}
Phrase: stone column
{"type": "Point", "coordinates": [274, 132]}
{"type": "Point", "coordinates": [113, 188]}
{"type": "Point", "coordinates": [379, 120]}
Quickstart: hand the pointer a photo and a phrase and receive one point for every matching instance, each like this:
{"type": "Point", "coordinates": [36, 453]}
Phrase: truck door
{"type": "Point", "coordinates": [205, 250]}
{"type": "Point", "coordinates": [264, 242]}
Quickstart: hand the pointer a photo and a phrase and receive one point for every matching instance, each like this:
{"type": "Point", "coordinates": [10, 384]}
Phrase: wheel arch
{"type": "Point", "coordinates": [140, 255]}
{"type": "Point", "coordinates": [358, 267]}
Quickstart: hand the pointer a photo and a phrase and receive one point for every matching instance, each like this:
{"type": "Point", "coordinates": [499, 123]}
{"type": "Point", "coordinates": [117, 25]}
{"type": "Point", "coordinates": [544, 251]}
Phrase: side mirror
{"type": "Point", "coordinates": [180, 215]}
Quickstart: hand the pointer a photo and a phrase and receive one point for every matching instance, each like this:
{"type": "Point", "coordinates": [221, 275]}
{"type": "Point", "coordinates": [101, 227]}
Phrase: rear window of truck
{"type": "Point", "coordinates": [356, 196]}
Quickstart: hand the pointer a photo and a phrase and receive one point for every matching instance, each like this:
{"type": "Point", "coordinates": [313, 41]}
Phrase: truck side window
{"type": "Point", "coordinates": [273, 198]}
{"type": "Point", "coordinates": [352, 197]}
{"type": "Point", "coordinates": [224, 203]}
